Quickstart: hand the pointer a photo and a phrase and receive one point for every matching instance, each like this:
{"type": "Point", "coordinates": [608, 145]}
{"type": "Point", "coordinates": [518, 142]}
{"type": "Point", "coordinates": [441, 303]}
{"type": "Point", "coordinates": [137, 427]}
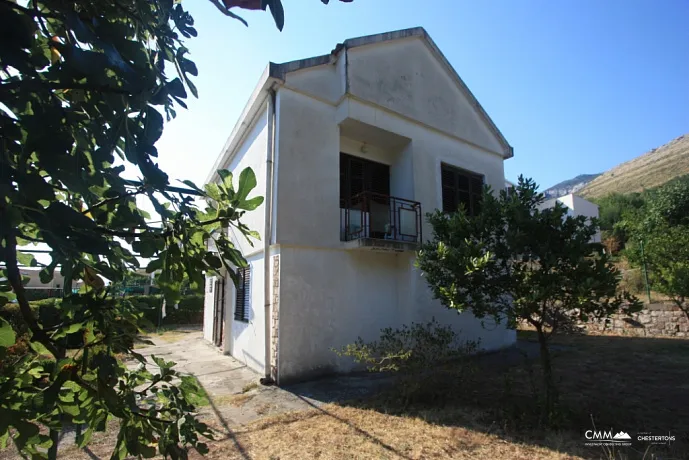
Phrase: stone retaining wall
{"type": "Point", "coordinates": [655, 320]}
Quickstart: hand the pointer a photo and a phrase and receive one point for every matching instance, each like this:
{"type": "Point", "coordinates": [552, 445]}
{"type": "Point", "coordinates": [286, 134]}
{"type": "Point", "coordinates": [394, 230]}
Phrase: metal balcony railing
{"type": "Point", "coordinates": [383, 217]}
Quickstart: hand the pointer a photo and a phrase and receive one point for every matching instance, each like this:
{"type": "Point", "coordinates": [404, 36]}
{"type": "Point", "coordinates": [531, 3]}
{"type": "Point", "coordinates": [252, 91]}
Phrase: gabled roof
{"type": "Point", "coordinates": [280, 70]}
{"type": "Point", "coordinates": [275, 73]}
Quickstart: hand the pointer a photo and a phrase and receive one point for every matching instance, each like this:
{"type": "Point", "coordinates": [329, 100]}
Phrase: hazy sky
{"type": "Point", "coordinates": [575, 86]}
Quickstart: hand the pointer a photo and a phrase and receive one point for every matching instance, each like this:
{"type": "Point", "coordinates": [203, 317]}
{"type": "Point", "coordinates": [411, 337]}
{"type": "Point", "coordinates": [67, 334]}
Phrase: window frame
{"type": "Point", "coordinates": [242, 300]}
{"type": "Point", "coordinates": [375, 177]}
{"type": "Point", "coordinates": [470, 176]}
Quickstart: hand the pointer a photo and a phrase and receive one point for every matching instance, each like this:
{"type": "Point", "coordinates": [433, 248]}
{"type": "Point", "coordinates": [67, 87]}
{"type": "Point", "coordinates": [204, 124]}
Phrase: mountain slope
{"type": "Point", "coordinates": [646, 171]}
{"type": "Point", "coordinates": [569, 186]}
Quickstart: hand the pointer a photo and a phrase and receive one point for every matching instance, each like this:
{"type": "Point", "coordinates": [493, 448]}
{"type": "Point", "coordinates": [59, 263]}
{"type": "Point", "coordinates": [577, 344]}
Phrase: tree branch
{"type": "Point", "coordinates": [15, 279]}
{"type": "Point", "coordinates": [139, 414]}
{"type": "Point", "coordinates": [66, 86]}
{"type": "Point", "coordinates": [113, 199]}
{"type": "Point", "coordinates": [166, 233]}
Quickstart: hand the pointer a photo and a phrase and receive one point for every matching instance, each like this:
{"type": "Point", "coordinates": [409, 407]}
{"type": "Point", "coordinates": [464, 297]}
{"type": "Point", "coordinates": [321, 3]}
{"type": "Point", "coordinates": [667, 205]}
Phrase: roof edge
{"type": "Point", "coordinates": [249, 112]}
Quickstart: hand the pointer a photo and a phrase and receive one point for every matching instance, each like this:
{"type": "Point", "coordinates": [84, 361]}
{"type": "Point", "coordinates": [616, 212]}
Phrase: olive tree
{"type": "Point", "coordinates": [662, 225]}
{"type": "Point", "coordinates": [516, 263]}
{"type": "Point", "coordinates": [85, 89]}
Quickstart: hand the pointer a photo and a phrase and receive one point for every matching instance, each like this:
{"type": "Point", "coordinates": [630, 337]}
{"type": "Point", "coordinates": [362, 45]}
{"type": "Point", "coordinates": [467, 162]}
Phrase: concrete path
{"type": "Point", "coordinates": [219, 374]}
{"type": "Point", "coordinates": [235, 394]}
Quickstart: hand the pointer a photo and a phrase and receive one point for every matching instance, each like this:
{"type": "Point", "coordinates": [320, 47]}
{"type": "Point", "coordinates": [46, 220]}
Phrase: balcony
{"type": "Point", "coordinates": [376, 222]}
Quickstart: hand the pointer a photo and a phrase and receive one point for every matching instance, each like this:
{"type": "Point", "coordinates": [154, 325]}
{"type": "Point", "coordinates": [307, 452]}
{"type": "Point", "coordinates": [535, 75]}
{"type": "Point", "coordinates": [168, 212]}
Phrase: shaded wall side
{"type": "Point", "coordinates": [250, 153]}
{"type": "Point", "coordinates": [329, 298]}
{"type": "Point", "coordinates": [308, 175]}
{"type": "Point", "coordinates": [248, 343]}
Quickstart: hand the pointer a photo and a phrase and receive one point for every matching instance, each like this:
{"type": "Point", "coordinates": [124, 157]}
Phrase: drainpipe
{"type": "Point", "coordinates": [267, 234]}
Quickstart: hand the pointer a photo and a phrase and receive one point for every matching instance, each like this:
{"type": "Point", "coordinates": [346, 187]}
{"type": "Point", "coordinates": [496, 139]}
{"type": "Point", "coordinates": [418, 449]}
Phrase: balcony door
{"type": "Point", "coordinates": [368, 213]}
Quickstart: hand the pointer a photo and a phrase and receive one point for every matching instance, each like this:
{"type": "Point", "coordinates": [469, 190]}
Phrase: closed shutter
{"type": "Point", "coordinates": [449, 186]}
{"type": "Point", "coordinates": [358, 175]}
{"type": "Point", "coordinates": [243, 300]}
{"type": "Point", "coordinates": [460, 187]}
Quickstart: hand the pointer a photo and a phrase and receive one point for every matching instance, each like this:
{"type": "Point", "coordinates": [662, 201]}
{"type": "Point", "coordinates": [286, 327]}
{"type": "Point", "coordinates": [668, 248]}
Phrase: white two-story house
{"type": "Point", "coordinates": [351, 149]}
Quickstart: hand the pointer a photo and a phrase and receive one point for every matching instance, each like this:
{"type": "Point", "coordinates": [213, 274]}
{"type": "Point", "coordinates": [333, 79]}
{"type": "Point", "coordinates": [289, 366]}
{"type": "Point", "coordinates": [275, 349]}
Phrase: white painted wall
{"type": "Point", "coordinates": [245, 340]}
{"type": "Point", "coordinates": [404, 77]}
{"type": "Point", "coordinates": [208, 303]}
{"type": "Point", "coordinates": [577, 206]}
{"type": "Point", "coordinates": [329, 296]}
{"type": "Point", "coordinates": [325, 82]}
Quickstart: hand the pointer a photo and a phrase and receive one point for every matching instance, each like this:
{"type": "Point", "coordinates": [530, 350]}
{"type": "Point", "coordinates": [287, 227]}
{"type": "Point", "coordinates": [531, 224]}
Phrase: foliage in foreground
{"type": "Point", "coordinates": [514, 262]}
{"type": "Point", "coordinates": [85, 88]}
{"type": "Point", "coordinates": [415, 352]}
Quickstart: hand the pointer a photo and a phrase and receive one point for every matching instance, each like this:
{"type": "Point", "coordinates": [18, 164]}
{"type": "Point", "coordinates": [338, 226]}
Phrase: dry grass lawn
{"type": "Point", "coordinates": [623, 383]}
{"type": "Point", "coordinates": [336, 432]}
{"type": "Point", "coordinates": [630, 384]}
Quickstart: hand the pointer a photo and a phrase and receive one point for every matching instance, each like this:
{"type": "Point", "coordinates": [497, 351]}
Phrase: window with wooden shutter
{"type": "Point", "coordinates": [243, 300]}
{"type": "Point", "coordinates": [359, 175]}
{"type": "Point", "coordinates": [460, 187]}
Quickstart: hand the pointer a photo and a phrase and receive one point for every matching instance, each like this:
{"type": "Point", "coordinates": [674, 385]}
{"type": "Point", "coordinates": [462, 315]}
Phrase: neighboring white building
{"type": "Point", "coordinates": [351, 150]}
{"type": "Point", "coordinates": [576, 206]}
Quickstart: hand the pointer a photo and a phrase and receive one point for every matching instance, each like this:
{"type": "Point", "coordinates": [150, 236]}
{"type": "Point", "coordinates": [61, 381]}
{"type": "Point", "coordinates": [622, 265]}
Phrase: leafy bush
{"type": "Point", "coordinates": [416, 352]}
{"type": "Point", "coordinates": [189, 309]}
{"type": "Point", "coordinates": [40, 294]}
{"type": "Point", "coordinates": [632, 281]}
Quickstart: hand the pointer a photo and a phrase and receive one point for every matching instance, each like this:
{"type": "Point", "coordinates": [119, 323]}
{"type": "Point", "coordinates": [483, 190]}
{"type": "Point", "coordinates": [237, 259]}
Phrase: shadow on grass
{"type": "Point", "coordinates": [631, 384]}
{"type": "Point", "coordinates": [229, 433]}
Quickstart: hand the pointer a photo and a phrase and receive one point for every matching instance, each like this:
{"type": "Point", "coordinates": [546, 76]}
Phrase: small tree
{"type": "Point", "coordinates": [666, 253]}
{"type": "Point", "coordinates": [663, 227]}
{"type": "Point", "coordinates": [516, 263]}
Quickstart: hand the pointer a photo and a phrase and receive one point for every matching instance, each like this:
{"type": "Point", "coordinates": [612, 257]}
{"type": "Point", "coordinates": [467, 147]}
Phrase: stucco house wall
{"type": "Point", "coordinates": [329, 295]}
{"type": "Point", "coordinates": [577, 206]}
{"type": "Point", "coordinates": [245, 341]}
{"type": "Point", "coordinates": [390, 98]}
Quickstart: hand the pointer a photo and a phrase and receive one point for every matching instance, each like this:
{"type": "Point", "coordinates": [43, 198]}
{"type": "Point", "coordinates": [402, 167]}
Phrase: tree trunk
{"type": "Point", "coordinates": [549, 382]}
{"type": "Point", "coordinates": [52, 451]}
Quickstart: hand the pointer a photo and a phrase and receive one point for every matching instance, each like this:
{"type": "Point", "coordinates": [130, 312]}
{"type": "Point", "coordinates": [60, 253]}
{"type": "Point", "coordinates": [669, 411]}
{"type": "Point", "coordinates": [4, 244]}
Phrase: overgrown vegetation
{"type": "Point", "coordinates": [515, 263]}
{"type": "Point", "coordinates": [85, 88]}
{"type": "Point", "coordinates": [417, 352]}
{"type": "Point", "coordinates": [653, 228]}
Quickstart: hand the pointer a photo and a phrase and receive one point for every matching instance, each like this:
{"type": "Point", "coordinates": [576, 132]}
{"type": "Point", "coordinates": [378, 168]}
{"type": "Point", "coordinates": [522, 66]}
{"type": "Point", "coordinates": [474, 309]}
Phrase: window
{"type": "Point", "coordinates": [461, 187]}
{"type": "Point", "coordinates": [359, 175]}
{"type": "Point", "coordinates": [243, 301]}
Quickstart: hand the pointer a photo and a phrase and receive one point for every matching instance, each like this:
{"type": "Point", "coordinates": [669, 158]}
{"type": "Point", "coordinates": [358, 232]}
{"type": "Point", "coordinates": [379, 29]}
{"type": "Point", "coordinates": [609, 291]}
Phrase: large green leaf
{"type": "Point", "coordinates": [247, 182]}
{"type": "Point", "coordinates": [7, 335]}
{"type": "Point", "coordinates": [250, 205]}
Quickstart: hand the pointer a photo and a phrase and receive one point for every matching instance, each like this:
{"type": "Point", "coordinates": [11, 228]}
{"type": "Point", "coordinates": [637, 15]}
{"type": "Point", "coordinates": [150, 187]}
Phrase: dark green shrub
{"type": "Point", "coordinates": [188, 311]}
{"type": "Point", "coordinates": [418, 353]}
